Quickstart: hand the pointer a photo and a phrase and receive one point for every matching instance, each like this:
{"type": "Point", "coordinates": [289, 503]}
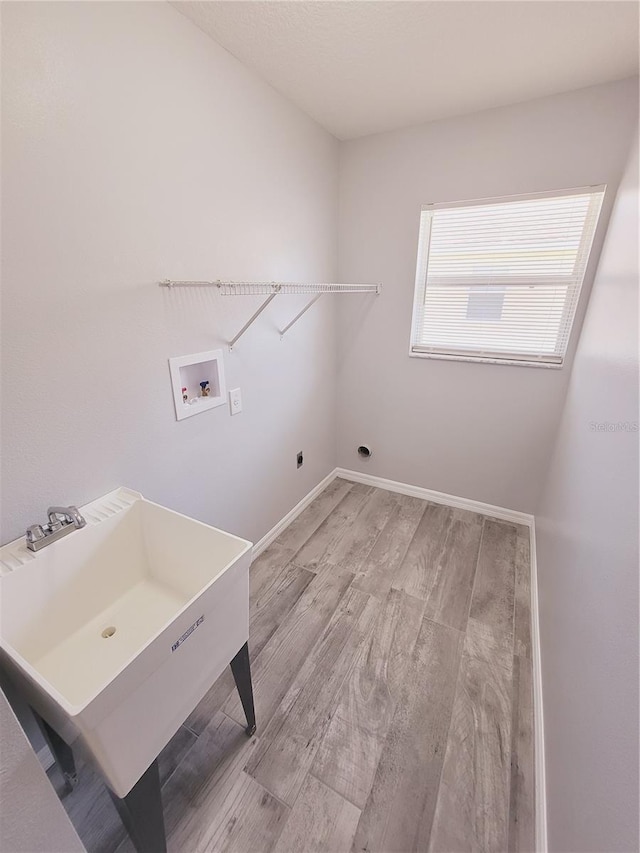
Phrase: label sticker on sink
{"type": "Point", "coordinates": [187, 633]}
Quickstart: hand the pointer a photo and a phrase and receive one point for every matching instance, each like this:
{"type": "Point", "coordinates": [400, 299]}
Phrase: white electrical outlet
{"type": "Point", "coordinates": [235, 401]}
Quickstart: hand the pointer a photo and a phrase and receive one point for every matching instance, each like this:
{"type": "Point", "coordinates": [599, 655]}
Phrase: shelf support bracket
{"type": "Point", "coordinates": [252, 319]}
{"type": "Point", "coordinates": [297, 317]}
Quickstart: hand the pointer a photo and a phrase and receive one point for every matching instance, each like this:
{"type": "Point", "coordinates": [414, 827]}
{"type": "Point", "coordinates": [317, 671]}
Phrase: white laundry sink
{"type": "Point", "coordinates": [116, 631]}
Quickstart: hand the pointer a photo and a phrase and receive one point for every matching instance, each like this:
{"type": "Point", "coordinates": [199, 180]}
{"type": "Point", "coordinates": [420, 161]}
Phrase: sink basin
{"type": "Point", "coordinates": [115, 632]}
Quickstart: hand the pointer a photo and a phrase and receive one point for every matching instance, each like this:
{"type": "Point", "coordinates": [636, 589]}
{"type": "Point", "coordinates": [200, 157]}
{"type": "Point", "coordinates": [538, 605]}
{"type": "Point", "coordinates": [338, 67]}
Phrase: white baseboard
{"type": "Point", "coordinates": [484, 509]}
{"type": "Point", "coordinates": [538, 710]}
{"type": "Point", "coordinates": [284, 522]}
{"type": "Point", "coordinates": [437, 497]}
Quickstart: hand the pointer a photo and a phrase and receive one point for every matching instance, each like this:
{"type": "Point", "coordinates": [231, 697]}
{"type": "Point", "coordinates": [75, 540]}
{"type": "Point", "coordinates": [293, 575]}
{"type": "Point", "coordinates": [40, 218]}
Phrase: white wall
{"type": "Point", "coordinates": [587, 540]}
{"type": "Point", "coordinates": [23, 783]}
{"type": "Point", "coordinates": [475, 430]}
{"type": "Point", "coordinates": [134, 148]}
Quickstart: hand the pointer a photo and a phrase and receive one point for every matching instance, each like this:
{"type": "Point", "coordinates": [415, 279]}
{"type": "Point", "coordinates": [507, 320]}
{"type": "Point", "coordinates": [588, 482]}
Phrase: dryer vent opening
{"type": "Point", "coordinates": [364, 451]}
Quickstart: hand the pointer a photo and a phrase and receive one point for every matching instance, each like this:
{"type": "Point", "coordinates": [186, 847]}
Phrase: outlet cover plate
{"type": "Point", "coordinates": [235, 401]}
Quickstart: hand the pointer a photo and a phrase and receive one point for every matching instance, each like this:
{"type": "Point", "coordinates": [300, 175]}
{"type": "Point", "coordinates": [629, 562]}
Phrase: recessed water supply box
{"type": "Point", "coordinates": [198, 382]}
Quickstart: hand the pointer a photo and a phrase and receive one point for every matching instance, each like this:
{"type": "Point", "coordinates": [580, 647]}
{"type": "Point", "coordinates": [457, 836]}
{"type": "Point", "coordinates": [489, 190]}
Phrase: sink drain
{"type": "Point", "coordinates": [108, 632]}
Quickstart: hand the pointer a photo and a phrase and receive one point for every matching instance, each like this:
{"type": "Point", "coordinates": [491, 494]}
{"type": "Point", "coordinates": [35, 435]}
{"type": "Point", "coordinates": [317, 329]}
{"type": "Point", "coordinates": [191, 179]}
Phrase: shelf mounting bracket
{"type": "Point", "coordinates": [253, 318]}
{"type": "Point", "coordinates": [297, 317]}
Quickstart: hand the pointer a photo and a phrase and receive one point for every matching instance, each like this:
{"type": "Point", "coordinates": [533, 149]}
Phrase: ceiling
{"type": "Point", "coordinates": [365, 66]}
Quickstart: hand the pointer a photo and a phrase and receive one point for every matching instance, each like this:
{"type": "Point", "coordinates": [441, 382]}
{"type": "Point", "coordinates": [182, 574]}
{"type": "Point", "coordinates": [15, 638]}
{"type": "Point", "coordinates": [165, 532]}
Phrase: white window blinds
{"type": "Point", "coordinates": [499, 280]}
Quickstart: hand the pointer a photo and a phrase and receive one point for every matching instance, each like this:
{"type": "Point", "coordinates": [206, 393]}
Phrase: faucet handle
{"type": "Point", "coordinates": [35, 532]}
{"type": "Point", "coordinates": [78, 520]}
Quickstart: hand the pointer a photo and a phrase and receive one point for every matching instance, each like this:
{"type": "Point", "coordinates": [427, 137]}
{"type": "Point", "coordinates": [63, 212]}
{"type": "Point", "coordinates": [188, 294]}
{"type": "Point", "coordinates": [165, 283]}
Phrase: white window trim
{"type": "Point", "coordinates": [479, 357]}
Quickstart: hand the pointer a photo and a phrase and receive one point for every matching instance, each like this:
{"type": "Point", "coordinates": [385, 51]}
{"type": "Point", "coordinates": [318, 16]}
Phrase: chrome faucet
{"type": "Point", "coordinates": [62, 520]}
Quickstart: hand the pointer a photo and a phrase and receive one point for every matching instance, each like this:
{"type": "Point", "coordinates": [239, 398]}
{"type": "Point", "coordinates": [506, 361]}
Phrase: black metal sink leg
{"type": "Point", "coordinates": [61, 751]}
{"type": "Point", "coordinates": [141, 812]}
{"type": "Point", "coordinates": [241, 669]}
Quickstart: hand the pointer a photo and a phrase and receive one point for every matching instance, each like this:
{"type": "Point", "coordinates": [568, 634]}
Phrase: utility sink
{"type": "Point", "coordinates": [115, 632]}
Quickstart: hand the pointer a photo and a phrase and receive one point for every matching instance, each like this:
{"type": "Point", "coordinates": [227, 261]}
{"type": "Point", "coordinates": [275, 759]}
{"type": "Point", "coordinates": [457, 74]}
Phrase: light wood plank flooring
{"type": "Point", "coordinates": [391, 656]}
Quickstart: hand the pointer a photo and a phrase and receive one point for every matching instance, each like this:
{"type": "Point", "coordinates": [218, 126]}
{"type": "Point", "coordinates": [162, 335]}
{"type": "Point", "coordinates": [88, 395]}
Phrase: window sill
{"type": "Point", "coordinates": [477, 359]}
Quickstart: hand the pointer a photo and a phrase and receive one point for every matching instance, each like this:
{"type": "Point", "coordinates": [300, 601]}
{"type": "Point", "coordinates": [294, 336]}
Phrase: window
{"type": "Point", "coordinates": [499, 279]}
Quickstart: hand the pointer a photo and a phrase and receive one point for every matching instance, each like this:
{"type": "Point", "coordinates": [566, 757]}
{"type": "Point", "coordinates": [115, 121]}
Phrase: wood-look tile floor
{"type": "Point", "coordinates": [391, 656]}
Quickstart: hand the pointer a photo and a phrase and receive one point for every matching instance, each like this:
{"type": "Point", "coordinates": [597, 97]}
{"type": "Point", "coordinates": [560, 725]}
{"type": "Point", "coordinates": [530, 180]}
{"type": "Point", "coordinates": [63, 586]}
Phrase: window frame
{"type": "Point", "coordinates": [488, 356]}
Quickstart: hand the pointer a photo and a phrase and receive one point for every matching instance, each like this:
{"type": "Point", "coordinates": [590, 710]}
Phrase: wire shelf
{"type": "Point", "coordinates": [271, 289]}
{"type": "Point", "coordinates": [264, 288]}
